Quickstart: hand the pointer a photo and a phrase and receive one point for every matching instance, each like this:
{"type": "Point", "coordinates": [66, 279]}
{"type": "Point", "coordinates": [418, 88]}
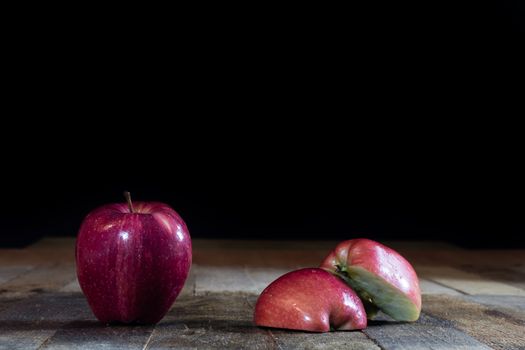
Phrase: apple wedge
{"type": "Point", "coordinates": [310, 300]}
{"type": "Point", "coordinates": [381, 277]}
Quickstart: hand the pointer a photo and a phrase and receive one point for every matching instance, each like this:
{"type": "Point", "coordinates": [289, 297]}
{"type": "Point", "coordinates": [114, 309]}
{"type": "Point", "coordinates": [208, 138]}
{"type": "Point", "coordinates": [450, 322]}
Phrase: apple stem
{"type": "Point", "coordinates": [127, 195]}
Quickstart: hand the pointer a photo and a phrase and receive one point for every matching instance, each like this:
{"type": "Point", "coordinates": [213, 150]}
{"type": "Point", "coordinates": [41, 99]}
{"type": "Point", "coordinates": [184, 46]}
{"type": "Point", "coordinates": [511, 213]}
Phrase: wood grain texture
{"type": "Point", "coordinates": [211, 279]}
{"type": "Point", "coordinates": [91, 334]}
{"type": "Point", "coordinates": [450, 257]}
{"type": "Point", "coordinates": [7, 273]}
{"type": "Point", "coordinates": [427, 333]}
{"type": "Point", "coordinates": [353, 340]}
{"type": "Point", "coordinates": [28, 323]}
{"type": "Point", "coordinates": [189, 286]}
{"type": "Point", "coordinates": [431, 287]}
{"type": "Point", "coordinates": [71, 287]}
{"type": "Point", "coordinates": [214, 321]}
{"type": "Point", "coordinates": [509, 302]}
{"type": "Point", "coordinates": [63, 321]}
{"type": "Point", "coordinates": [6, 302]}
{"type": "Point", "coordinates": [497, 274]}
{"type": "Point", "coordinates": [50, 249]}
{"type": "Point", "coordinates": [466, 282]}
{"type": "Point", "coordinates": [489, 325]}
{"type": "Point", "coordinates": [518, 267]}
{"type": "Point", "coordinates": [224, 321]}
{"type": "Point", "coordinates": [232, 279]}
{"type": "Point", "coordinates": [44, 278]}
{"type": "Point", "coordinates": [471, 300]}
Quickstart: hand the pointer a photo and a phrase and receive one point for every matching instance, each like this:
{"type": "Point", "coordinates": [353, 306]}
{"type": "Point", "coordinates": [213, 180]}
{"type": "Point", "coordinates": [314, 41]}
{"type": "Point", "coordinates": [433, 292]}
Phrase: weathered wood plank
{"type": "Point", "coordinates": [44, 278]}
{"type": "Point", "coordinates": [507, 305]}
{"type": "Point", "coordinates": [91, 334]}
{"type": "Point", "coordinates": [233, 335]}
{"type": "Point", "coordinates": [28, 323]}
{"type": "Point", "coordinates": [334, 340]}
{"type": "Point", "coordinates": [519, 267]}
{"type": "Point", "coordinates": [189, 286]}
{"type": "Point", "coordinates": [231, 279]}
{"type": "Point", "coordinates": [431, 287]}
{"type": "Point", "coordinates": [16, 257]}
{"type": "Point", "coordinates": [497, 273]}
{"type": "Point", "coordinates": [259, 258]}
{"type": "Point", "coordinates": [71, 287]}
{"type": "Point", "coordinates": [490, 326]}
{"type": "Point", "coordinates": [211, 279]}
{"type": "Point", "coordinates": [458, 258]}
{"type": "Point", "coordinates": [214, 321]}
{"type": "Point", "coordinates": [6, 302]}
{"type": "Point", "coordinates": [9, 272]}
{"type": "Point", "coordinates": [261, 277]}
{"type": "Point", "coordinates": [64, 321]}
{"type": "Point", "coordinates": [469, 283]}
{"type": "Point", "coordinates": [53, 249]}
{"type": "Point", "coordinates": [470, 298]}
{"type": "Point", "coordinates": [427, 333]}
{"type": "Point", "coordinates": [510, 302]}
{"type": "Point", "coordinates": [489, 257]}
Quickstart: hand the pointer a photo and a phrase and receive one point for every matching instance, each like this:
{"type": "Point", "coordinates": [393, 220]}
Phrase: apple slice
{"type": "Point", "coordinates": [381, 277]}
{"type": "Point", "coordinates": [309, 300]}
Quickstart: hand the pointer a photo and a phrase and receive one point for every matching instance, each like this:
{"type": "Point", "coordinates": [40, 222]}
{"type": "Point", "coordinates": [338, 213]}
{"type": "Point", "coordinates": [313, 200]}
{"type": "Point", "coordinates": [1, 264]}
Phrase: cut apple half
{"type": "Point", "coordinates": [310, 300]}
{"type": "Point", "coordinates": [382, 278]}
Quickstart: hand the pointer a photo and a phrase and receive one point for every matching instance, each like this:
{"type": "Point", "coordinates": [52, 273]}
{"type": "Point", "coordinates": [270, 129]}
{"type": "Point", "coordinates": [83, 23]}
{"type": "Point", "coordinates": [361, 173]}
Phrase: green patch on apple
{"type": "Point", "coordinates": [377, 294]}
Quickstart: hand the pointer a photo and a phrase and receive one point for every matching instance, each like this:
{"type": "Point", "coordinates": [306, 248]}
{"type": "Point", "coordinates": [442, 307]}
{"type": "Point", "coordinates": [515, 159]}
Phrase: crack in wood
{"type": "Point", "coordinates": [447, 286]}
{"type": "Point", "coordinates": [45, 342]}
{"type": "Point", "coordinates": [373, 340]}
{"type": "Point", "coordinates": [274, 340]}
{"type": "Point", "coordinates": [146, 345]}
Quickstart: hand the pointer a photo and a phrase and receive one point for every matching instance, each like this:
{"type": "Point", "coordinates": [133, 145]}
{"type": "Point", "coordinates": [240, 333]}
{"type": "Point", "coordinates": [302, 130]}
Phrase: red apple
{"type": "Point", "coordinates": [132, 260]}
{"type": "Point", "coordinates": [382, 278]}
{"type": "Point", "coordinates": [309, 300]}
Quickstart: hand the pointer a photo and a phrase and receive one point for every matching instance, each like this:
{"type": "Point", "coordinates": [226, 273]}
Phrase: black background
{"type": "Point", "coordinates": [385, 122]}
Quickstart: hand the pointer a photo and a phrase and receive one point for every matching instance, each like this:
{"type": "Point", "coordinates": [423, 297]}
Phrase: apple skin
{"type": "Point", "coordinates": [381, 277]}
{"type": "Point", "coordinates": [311, 300]}
{"type": "Point", "coordinates": [132, 266]}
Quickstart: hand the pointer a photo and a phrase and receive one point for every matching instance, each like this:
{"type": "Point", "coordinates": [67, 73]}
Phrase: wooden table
{"type": "Point", "coordinates": [472, 299]}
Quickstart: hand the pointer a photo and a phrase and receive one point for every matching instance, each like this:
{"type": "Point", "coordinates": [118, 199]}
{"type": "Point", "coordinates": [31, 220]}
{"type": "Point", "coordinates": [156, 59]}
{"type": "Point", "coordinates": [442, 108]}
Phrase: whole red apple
{"type": "Point", "coordinates": [381, 277]}
{"type": "Point", "coordinates": [309, 300]}
{"type": "Point", "coordinates": [132, 260]}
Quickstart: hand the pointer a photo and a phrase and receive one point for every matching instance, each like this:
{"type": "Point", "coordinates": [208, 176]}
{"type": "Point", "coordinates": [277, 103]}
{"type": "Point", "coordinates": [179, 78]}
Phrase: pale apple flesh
{"type": "Point", "coordinates": [382, 278]}
{"type": "Point", "coordinates": [310, 300]}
